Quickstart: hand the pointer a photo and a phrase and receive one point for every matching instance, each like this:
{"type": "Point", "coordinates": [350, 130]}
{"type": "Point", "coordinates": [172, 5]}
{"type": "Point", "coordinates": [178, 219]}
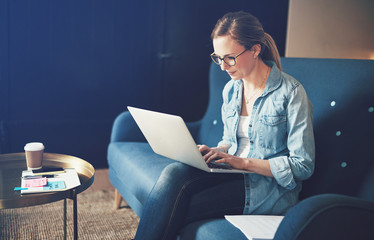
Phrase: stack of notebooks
{"type": "Point", "coordinates": [48, 180]}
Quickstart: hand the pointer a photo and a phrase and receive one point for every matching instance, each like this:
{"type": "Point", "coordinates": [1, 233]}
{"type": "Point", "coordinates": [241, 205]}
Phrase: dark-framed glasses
{"type": "Point", "coordinates": [231, 61]}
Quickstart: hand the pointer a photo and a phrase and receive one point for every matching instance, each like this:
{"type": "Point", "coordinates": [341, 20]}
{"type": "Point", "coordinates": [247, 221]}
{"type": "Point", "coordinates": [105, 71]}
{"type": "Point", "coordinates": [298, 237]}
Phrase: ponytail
{"type": "Point", "coordinates": [271, 51]}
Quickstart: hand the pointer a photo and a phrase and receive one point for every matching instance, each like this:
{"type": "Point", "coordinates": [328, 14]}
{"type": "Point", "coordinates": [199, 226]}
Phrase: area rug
{"type": "Point", "coordinates": [96, 219]}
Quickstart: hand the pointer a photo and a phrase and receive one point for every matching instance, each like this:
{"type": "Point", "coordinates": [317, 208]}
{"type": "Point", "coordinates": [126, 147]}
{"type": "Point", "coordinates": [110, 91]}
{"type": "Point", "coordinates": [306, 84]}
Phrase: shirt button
{"type": "Point", "coordinates": [251, 142]}
{"type": "Point", "coordinates": [250, 125]}
{"type": "Point", "coordinates": [247, 203]}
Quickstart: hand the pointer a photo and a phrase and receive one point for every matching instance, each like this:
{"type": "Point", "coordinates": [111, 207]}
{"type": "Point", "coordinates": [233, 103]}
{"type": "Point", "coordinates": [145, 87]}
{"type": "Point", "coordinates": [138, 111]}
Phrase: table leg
{"type": "Point", "coordinates": [75, 215]}
{"type": "Point", "coordinates": [75, 212]}
{"type": "Point", "coordinates": [65, 218]}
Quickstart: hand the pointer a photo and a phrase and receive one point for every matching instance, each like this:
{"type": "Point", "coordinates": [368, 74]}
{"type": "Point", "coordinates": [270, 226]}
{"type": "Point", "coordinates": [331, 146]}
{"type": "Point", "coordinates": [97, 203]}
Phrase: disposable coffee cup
{"type": "Point", "coordinates": [34, 155]}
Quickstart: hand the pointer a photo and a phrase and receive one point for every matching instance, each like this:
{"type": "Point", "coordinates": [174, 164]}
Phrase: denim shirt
{"type": "Point", "coordinates": [281, 131]}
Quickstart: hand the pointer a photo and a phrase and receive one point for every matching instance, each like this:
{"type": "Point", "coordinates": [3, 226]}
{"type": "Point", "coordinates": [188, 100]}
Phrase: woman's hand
{"type": "Point", "coordinates": [218, 154]}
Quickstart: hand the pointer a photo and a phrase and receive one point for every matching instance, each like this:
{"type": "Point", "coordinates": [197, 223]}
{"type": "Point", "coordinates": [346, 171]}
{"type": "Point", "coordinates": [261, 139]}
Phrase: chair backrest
{"type": "Point", "coordinates": [342, 93]}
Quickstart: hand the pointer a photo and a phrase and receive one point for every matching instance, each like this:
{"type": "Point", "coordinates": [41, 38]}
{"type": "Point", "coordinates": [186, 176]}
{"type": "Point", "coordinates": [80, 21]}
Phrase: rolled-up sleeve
{"type": "Point", "coordinates": [299, 164]}
{"type": "Point", "coordinates": [281, 170]}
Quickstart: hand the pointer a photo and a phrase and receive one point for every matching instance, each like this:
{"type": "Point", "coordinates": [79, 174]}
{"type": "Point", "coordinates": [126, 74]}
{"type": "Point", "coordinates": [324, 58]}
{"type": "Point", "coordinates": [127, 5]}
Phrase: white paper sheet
{"type": "Point", "coordinates": [70, 178]}
{"type": "Point", "coordinates": [256, 227]}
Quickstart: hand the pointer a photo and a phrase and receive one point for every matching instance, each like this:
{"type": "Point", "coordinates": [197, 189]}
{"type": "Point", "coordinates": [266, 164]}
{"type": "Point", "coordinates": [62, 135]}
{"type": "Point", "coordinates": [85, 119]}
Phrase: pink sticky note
{"type": "Point", "coordinates": [38, 182]}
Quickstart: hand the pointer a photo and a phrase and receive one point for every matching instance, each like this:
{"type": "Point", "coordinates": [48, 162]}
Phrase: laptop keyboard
{"type": "Point", "coordinates": [219, 166]}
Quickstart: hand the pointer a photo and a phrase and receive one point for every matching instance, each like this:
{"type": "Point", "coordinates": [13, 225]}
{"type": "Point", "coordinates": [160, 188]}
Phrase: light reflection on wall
{"type": "Point", "coordinates": [331, 29]}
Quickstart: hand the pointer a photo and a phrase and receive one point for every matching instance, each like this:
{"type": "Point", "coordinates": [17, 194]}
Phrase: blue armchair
{"type": "Point", "coordinates": [337, 202]}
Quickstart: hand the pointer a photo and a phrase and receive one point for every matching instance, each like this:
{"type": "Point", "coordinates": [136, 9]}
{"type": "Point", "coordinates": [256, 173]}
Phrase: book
{"type": "Point", "coordinates": [65, 180]}
{"type": "Point", "coordinates": [256, 227]}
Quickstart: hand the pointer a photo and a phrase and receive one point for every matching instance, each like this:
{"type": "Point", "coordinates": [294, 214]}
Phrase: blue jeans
{"type": "Point", "coordinates": [184, 194]}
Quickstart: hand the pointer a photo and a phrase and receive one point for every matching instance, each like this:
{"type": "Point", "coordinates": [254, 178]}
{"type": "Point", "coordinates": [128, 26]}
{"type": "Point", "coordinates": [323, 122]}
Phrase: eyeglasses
{"type": "Point", "coordinates": [231, 61]}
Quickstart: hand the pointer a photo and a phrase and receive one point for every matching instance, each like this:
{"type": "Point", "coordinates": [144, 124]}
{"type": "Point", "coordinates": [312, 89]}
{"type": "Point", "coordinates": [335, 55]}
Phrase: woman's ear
{"type": "Point", "coordinates": [256, 50]}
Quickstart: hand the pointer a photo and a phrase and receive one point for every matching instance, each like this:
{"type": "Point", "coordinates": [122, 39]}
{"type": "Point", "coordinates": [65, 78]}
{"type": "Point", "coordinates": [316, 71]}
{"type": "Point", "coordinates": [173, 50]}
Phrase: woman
{"type": "Point", "coordinates": [268, 130]}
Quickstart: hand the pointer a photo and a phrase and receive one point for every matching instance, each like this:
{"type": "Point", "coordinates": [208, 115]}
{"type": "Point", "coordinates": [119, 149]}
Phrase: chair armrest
{"type": "Point", "coordinates": [125, 129]}
{"type": "Point", "coordinates": [328, 216]}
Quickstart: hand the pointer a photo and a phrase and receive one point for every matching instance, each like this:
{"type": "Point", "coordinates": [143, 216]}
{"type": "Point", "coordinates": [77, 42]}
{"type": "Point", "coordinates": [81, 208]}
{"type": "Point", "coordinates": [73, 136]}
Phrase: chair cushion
{"type": "Point", "coordinates": [131, 163]}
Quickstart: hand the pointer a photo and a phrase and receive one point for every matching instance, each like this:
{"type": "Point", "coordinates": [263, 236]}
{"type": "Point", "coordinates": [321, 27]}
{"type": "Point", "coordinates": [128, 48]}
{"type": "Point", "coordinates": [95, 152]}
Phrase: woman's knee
{"type": "Point", "coordinates": [175, 176]}
{"type": "Point", "coordinates": [178, 171]}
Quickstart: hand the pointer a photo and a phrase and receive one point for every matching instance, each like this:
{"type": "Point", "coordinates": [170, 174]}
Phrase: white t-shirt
{"type": "Point", "coordinates": [243, 139]}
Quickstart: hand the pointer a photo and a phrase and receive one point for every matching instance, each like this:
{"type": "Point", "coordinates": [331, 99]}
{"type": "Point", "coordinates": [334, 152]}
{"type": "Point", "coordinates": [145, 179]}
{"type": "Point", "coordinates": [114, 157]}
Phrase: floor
{"type": "Point", "coordinates": [101, 181]}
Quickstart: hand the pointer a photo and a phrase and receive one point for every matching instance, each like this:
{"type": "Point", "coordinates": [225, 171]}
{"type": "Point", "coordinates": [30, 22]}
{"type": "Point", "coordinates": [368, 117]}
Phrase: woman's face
{"type": "Point", "coordinates": [226, 46]}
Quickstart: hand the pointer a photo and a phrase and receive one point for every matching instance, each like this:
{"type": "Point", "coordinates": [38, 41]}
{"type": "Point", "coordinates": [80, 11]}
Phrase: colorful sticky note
{"type": "Point", "coordinates": [54, 185]}
{"type": "Point", "coordinates": [37, 182]}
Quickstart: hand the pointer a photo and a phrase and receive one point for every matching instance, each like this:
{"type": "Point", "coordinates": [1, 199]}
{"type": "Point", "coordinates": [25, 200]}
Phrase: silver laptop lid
{"type": "Point", "coordinates": [169, 136]}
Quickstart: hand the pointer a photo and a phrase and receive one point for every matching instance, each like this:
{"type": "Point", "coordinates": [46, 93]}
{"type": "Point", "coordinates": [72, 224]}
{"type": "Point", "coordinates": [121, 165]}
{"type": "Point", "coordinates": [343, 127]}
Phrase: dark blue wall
{"type": "Point", "coordinates": [68, 68]}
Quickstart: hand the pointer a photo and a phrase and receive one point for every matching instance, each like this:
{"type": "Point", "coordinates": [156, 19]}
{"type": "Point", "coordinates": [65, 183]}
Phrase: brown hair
{"type": "Point", "coordinates": [247, 30]}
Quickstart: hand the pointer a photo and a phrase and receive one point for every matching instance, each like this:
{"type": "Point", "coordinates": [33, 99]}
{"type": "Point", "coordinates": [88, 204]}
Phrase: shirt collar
{"type": "Point", "coordinates": [274, 79]}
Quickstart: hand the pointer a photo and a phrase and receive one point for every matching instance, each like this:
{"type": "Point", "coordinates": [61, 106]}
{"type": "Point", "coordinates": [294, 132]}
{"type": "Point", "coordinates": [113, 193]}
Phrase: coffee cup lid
{"type": "Point", "coordinates": [34, 146]}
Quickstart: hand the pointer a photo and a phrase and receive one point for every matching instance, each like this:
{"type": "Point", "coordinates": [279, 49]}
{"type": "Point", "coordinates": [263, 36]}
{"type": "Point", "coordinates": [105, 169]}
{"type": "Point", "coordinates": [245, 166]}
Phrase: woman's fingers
{"type": "Point", "coordinates": [203, 148]}
{"type": "Point", "coordinates": [217, 156]}
{"type": "Point", "coordinates": [210, 154]}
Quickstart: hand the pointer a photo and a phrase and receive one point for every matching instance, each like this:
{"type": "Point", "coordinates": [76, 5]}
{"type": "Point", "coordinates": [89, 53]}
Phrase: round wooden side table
{"type": "Point", "coordinates": [11, 167]}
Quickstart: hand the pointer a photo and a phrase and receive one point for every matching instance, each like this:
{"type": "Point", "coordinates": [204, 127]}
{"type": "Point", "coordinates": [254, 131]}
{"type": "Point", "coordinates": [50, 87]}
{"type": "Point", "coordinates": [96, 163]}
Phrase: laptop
{"type": "Point", "coordinates": [169, 136]}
